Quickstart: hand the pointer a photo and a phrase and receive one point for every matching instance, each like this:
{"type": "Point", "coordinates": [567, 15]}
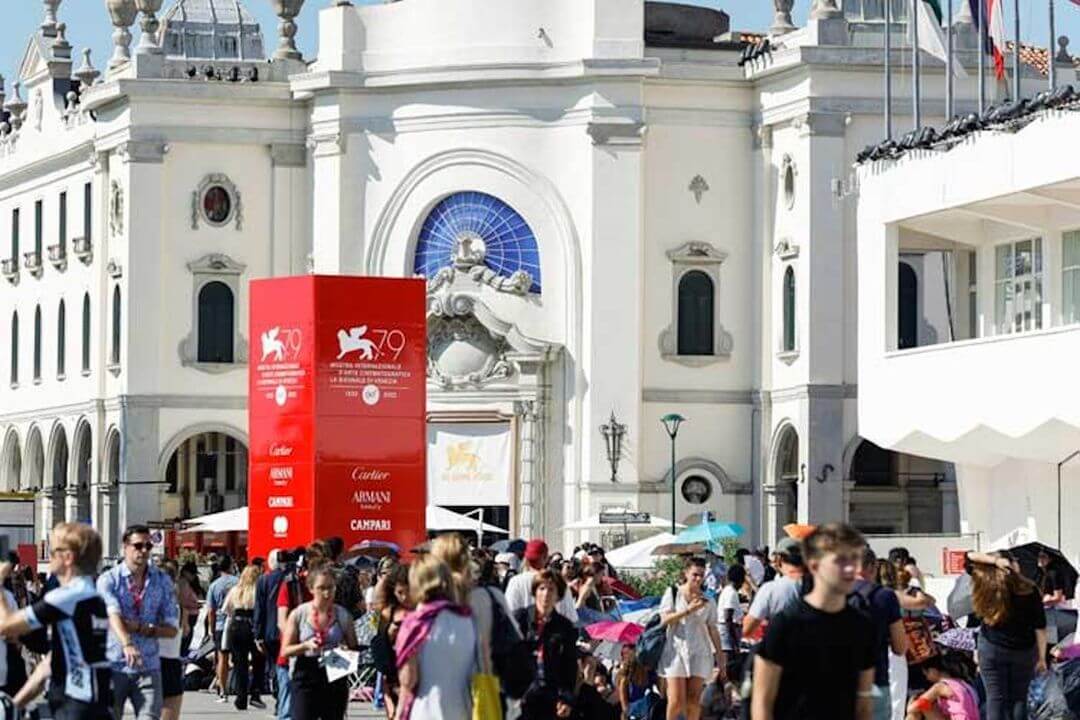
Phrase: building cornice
{"type": "Point", "coordinates": [125, 90]}
{"type": "Point", "coordinates": [73, 158]}
{"type": "Point", "coordinates": [408, 79]}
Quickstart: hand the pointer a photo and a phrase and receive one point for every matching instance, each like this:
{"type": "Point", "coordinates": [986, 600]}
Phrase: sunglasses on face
{"type": "Point", "coordinates": [142, 546]}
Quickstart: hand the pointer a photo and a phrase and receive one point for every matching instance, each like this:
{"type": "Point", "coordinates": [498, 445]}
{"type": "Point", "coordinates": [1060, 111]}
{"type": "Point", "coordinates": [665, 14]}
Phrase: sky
{"type": "Point", "coordinates": [88, 23]}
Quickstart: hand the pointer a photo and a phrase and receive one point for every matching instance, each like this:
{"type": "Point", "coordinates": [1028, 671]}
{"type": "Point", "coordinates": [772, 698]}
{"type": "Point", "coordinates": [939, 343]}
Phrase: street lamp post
{"type": "Point", "coordinates": [613, 433]}
{"type": "Point", "coordinates": [671, 422]}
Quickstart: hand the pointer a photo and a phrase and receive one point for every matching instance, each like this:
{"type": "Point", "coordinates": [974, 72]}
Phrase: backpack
{"type": "Point", "coordinates": [512, 656]}
{"type": "Point", "coordinates": [650, 644]}
{"type": "Point", "coordinates": [271, 631]}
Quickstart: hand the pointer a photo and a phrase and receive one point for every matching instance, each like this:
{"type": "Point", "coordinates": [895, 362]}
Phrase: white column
{"type": "Point", "coordinates": [290, 229]}
{"type": "Point", "coordinates": [338, 243]}
{"type": "Point", "coordinates": [531, 511]}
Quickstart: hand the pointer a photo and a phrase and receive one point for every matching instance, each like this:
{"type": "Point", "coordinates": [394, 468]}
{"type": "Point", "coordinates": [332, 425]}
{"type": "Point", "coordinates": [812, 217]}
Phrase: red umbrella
{"type": "Point", "coordinates": [615, 631]}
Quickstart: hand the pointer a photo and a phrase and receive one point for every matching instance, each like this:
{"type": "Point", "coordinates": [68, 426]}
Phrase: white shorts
{"type": "Point", "coordinates": [682, 664]}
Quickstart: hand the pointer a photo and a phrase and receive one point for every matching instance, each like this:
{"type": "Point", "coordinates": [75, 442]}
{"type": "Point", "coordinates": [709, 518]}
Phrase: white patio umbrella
{"type": "Point", "coordinates": [638, 554]}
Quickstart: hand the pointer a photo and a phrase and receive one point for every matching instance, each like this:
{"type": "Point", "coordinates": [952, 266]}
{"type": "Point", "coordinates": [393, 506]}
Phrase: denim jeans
{"type": "Point", "coordinates": [284, 693]}
{"type": "Point", "coordinates": [143, 690]}
{"type": "Point", "coordinates": [1007, 674]}
{"type": "Point", "coordinates": [882, 702]}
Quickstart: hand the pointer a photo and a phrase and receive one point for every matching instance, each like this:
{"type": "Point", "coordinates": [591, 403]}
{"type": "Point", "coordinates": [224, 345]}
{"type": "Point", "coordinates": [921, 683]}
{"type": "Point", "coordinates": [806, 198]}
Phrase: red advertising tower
{"type": "Point", "coordinates": [336, 411]}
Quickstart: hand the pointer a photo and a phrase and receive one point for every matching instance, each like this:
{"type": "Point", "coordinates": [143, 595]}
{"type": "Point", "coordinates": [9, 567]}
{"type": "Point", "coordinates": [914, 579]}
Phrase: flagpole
{"type": "Point", "coordinates": [949, 65]}
{"type": "Point", "coordinates": [981, 7]}
{"type": "Point", "coordinates": [888, 69]}
{"type": "Point", "coordinates": [1051, 71]}
{"type": "Point", "coordinates": [915, 85]}
{"type": "Point", "coordinates": [1016, 50]}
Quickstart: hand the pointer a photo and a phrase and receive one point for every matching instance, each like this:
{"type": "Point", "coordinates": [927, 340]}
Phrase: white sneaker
{"type": "Point", "coordinates": [222, 699]}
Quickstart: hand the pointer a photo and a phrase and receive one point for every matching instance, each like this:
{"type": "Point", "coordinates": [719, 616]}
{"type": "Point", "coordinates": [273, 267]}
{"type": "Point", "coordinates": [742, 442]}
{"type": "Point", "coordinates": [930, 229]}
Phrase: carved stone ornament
{"type": "Point", "coordinates": [518, 283]}
{"type": "Point", "coordinates": [699, 187]}
{"type": "Point", "coordinates": [469, 347]}
{"type": "Point", "coordinates": [216, 202]}
{"type": "Point", "coordinates": [786, 250]}
{"type": "Point", "coordinates": [38, 111]}
{"type": "Point", "coordinates": [116, 208]}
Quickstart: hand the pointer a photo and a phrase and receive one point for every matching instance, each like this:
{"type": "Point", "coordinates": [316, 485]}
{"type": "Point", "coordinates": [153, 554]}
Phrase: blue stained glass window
{"type": "Point", "coordinates": [508, 242]}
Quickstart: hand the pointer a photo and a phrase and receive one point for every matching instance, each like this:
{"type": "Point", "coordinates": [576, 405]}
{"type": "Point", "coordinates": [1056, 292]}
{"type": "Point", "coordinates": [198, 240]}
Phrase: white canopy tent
{"type": "Point", "coordinates": [638, 554]}
{"type": "Point", "coordinates": [438, 519]}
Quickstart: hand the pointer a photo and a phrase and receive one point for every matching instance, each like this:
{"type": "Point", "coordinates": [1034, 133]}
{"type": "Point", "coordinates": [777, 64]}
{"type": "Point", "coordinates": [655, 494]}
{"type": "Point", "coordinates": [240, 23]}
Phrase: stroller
{"type": "Point", "coordinates": [199, 669]}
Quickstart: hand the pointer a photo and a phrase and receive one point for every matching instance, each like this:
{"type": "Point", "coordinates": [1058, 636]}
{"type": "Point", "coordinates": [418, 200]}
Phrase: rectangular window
{"type": "Point", "coordinates": [1018, 286]}
{"type": "Point", "coordinates": [1070, 280]}
{"type": "Point", "coordinates": [39, 209]}
{"type": "Point", "coordinates": [15, 234]}
{"type": "Point", "coordinates": [62, 240]}
{"type": "Point", "coordinates": [87, 210]}
{"type": "Point", "coordinates": [973, 295]}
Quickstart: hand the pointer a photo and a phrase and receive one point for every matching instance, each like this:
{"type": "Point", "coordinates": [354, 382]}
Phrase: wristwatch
{"type": "Point", "coordinates": [149, 629]}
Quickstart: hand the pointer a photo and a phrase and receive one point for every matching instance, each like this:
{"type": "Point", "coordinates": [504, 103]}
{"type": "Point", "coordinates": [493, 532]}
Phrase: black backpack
{"type": "Point", "coordinates": [512, 656]}
{"type": "Point", "coordinates": [650, 644]}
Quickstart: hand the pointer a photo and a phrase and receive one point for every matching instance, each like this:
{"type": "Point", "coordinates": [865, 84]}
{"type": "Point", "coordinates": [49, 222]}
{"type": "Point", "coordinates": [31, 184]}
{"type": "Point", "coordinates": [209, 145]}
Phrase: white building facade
{"type": "Point", "coordinates": [991, 390]}
{"type": "Point", "coordinates": [618, 220]}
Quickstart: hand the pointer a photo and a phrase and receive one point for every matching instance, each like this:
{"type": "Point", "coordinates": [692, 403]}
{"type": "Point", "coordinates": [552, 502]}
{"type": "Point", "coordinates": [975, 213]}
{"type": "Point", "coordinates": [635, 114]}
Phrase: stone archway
{"type": "Point", "coordinates": [782, 496]}
{"type": "Point", "coordinates": [11, 463]}
{"type": "Point", "coordinates": [203, 470]}
{"type": "Point", "coordinates": [56, 482]}
{"type": "Point", "coordinates": [81, 478]}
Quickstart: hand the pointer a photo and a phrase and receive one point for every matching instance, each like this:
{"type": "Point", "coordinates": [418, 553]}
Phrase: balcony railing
{"type": "Point", "coordinates": [58, 256]}
{"type": "Point", "coordinates": [83, 249]}
{"type": "Point", "coordinates": [32, 262]}
{"type": "Point", "coordinates": [9, 268]}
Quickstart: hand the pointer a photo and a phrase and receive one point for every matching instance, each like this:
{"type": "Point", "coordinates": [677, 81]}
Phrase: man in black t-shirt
{"type": "Point", "coordinates": [79, 622]}
{"type": "Point", "coordinates": [817, 659]}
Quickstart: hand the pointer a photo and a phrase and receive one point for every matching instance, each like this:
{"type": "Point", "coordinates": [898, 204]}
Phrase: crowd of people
{"type": "Point", "coordinates": [819, 629]}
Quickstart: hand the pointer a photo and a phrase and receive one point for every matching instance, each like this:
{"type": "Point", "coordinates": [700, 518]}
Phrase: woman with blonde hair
{"type": "Point", "coordinates": [436, 647]}
{"type": "Point", "coordinates": [239, 607]}
{"type": "Point", "coordinates": [1012, 636]}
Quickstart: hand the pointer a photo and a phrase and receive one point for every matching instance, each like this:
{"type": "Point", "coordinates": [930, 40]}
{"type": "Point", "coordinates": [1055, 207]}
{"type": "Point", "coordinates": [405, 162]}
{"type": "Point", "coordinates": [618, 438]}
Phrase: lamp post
{"type": "Point", "coordinates": [613, 433]}
{"type": "Point", "coordinates": [671, 422]}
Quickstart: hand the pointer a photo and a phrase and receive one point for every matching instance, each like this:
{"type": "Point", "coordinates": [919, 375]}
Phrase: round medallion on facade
{"type": "Point", "coordinates": [696, 490]}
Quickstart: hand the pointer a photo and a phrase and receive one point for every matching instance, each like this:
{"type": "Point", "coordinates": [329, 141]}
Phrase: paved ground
{"type": "Point", "coordinates": [201, 706]}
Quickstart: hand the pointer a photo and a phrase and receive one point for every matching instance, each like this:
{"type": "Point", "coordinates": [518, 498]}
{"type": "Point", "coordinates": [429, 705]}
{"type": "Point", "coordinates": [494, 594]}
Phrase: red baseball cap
{"type": "Point", "coordinates": [536, 549]}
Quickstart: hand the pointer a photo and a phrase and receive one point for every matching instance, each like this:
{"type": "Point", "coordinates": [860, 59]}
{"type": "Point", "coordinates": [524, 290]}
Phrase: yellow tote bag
{"type": "Point", "coordinates": [485, 697]}
{"type": "Point", "coordinates": [486, 704]}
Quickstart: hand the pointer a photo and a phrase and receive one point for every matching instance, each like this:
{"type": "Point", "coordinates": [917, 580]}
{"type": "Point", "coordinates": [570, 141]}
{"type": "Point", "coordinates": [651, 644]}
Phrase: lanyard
{"type": "Point", "coordinates": [137, 595]}
{"type": "Point", "coordinates": [321, 632]}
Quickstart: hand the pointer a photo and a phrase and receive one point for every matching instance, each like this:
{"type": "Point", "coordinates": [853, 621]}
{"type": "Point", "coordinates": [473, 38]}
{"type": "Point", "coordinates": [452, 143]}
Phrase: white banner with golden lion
{"type": "Point", "coordinates": [469, 463]}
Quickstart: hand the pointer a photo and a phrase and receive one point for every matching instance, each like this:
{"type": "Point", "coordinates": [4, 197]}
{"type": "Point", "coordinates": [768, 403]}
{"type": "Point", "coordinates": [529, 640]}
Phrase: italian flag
{"type": "Point", "coordinates": [931, 35]}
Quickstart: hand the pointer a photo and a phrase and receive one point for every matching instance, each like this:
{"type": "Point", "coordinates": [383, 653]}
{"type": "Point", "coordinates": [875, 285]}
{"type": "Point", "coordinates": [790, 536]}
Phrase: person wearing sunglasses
{"type": "Point", "coordinates": [142, 608]}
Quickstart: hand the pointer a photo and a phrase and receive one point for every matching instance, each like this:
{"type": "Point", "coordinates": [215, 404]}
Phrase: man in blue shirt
{"type": "Point", "coordinates": [142, 607]}
{"type": "Point", "coordinates": [882, 606]}
{"type": "Point", "coordinates": [215, 600]}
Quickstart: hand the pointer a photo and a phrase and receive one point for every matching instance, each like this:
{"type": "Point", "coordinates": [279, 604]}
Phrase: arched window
{"type": "Point", "coordinates": [789, 309]}
{"type": "Point", "coordinates": [86, 333]}
{"type": "Point", "coordinates": [61, 338]}
{"type": "Point", "coordinates": [908, 307]}
{"type": "Point", "coordinates": [696, 314]}
{"type": "Point", "coordinates": [15, 348]}
{"type": "Point", "coordinates": [114, 351]}
{"type": "Point", "coordinates": [216, 323]}
{"type": "Point", "coordinates": [37, 343]}
{"type": "Point", "coordinates": [474, 228]}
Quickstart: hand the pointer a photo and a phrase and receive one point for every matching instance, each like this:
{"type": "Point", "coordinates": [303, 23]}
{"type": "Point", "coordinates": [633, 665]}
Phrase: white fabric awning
{"type": "Point", "coordinates": [440, 519]}
{"type": "Point", "coordinates": [237, 520]}
{"type": "Point", "coordinates": [228, 521]}
{"type": "Point", "coordinates": [638, 554]}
